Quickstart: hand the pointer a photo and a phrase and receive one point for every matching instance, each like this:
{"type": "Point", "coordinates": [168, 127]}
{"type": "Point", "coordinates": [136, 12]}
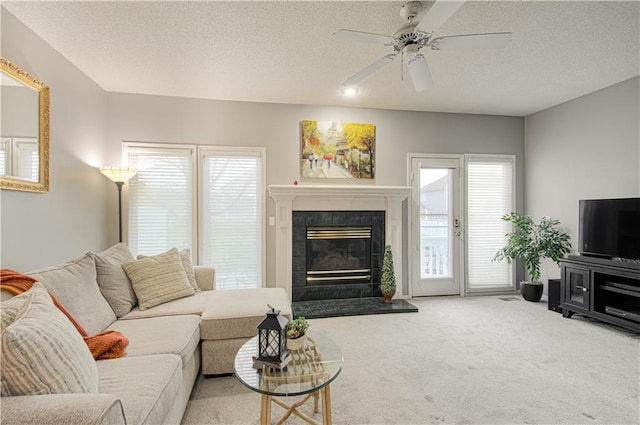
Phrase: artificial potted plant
{"type": "Point", "coordinates": [388, 278]}
{"type": "Point", "coordinates": [296, 330]}
{"type": "Point", "coordinates": [532, 242]}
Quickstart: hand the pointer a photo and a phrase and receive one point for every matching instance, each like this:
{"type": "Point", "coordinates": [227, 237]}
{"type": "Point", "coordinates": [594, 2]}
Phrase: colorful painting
{"type": "Point", "coordinates": [338, 150]}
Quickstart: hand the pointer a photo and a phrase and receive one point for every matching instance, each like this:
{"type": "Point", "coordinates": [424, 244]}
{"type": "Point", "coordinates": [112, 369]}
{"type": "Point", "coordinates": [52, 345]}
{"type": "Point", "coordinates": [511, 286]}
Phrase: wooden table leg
{"type": "Point", "coordinates": [265, 410]}
{"type": "Point", "coordinates": [315, 401]}
{"type": "Point", "coordinates": [326, 405]}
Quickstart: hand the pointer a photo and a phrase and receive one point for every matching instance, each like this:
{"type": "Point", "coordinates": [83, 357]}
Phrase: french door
{"type": "Point", "coordinates": [437, 254]}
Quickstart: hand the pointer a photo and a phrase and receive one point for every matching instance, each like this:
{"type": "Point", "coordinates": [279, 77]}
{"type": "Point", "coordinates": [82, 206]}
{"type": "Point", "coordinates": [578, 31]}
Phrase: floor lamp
{"type": "Point", "coordinates": [119, 175]}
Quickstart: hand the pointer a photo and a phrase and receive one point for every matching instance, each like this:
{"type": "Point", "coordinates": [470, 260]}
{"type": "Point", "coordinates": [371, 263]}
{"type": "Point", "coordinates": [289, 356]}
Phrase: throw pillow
{"type": "Point", "coordinates": [42, 352]}
{"type": "Point", "coordinates": [158, 279]}
{"type": "Point", "coordinates": [112, 279]}
{"type": "Point", "coordinates": [75, 285]}
{"type": "Point", "coordinates": [185, 256]}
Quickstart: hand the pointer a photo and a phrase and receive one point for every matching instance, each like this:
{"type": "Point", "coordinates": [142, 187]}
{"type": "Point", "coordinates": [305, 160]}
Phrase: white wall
{"type": "Point", "coordinates": [42, 229]}
{"type": "Point", "coordinates": [587, 148]}
{"type": "Point", "coordinates": [277, 127]}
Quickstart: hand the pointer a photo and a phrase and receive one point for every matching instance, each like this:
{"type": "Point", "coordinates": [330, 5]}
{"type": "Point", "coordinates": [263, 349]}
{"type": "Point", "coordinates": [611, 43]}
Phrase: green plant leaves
{"type": "Point", "coordinates": [532, 242]}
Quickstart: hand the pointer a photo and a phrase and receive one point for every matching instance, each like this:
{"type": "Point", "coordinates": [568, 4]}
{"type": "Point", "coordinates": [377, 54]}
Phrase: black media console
{"type": "Point", "coordinates": [607, 290]}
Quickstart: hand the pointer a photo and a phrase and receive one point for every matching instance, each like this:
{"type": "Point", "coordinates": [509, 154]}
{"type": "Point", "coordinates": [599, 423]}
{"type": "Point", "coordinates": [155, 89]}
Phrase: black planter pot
{"type": "Point", "coordinates": [531, 292]}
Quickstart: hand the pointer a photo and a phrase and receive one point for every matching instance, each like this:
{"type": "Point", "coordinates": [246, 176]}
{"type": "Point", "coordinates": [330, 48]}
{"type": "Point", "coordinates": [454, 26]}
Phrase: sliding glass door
{"type": "Point", "coordinates": [456, 227]}
{"type": "Point", "coordinates": [436, 226]}
{"type": "Point", "coordinates": [490, 195]}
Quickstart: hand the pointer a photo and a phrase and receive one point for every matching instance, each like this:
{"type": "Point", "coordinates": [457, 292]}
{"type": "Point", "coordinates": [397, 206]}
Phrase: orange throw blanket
{"type": "Point", "coordinates": [105, 345]}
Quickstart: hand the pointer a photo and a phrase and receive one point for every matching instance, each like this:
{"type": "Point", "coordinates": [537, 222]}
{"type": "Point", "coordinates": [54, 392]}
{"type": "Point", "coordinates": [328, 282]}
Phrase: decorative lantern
{"type": "Point", "coordinates": [272, 337]}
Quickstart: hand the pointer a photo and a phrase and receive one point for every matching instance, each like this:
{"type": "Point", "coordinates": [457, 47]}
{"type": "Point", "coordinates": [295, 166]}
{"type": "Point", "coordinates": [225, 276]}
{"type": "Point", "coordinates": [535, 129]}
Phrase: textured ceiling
{"type": "Point", "coordinates": [283, 52]}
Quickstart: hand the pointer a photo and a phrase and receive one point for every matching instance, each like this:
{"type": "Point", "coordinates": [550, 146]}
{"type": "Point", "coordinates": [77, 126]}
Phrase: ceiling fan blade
{"type": "Point", "coordinates": [419, 71]}
{"type": "Point", "coordinates": [472, 41]}
{"type": "Point", "coordinates": [369, 70]}
{"type": "Point", "coordinates": [438, 14]}
{"type": "Point", "coordinates": [364, 37]}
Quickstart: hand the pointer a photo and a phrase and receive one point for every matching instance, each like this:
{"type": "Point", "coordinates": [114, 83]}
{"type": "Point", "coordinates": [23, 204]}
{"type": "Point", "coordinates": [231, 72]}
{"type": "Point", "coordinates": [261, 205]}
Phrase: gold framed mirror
{"type": "Point", "coordinates": [24, 130]}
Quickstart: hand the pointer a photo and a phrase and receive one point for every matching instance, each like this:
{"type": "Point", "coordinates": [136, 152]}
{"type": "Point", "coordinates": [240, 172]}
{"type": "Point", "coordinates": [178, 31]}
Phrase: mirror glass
{"type": "Point", "coordinates": [24, 130]}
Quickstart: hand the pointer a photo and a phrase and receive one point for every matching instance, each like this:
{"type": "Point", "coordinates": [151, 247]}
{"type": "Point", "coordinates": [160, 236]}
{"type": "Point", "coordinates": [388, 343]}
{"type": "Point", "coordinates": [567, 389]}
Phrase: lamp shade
{"type": "Point", "coordinates": [118, 174]}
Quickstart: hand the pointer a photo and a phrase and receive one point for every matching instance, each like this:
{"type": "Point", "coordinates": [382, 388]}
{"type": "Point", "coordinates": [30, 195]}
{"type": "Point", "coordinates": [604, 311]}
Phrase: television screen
{"type": "Point", "coordinates": [610, 228]}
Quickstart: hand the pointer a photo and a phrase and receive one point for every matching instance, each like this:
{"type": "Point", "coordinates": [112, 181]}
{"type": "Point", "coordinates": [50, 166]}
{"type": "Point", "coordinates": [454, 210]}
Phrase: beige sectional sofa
{"type": "Point", "coordinates": [169, 343]}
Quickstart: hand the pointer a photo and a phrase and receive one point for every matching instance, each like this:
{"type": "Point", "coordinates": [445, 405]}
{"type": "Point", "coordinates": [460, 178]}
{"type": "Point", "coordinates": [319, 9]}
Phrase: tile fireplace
{"type": "Point", "coordinates": [327, 203]}
{"type": "Point", "coordinates": [336, 254]}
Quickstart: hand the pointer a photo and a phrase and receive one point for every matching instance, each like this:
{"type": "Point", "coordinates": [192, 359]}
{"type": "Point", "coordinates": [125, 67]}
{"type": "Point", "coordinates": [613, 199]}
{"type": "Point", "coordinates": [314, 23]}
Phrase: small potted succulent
{"type": "Point", "coordinates": [296, 330]}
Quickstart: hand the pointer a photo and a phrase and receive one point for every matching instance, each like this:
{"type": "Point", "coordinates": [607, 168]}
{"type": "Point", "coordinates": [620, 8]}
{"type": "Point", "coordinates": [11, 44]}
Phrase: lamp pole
{"type": "Point", "coordinates": [119, 184]}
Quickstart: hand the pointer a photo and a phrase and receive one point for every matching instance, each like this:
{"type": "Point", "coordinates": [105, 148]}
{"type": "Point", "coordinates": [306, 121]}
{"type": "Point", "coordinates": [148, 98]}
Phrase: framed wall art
{"type": "Point", "coordinates": [337, 150]}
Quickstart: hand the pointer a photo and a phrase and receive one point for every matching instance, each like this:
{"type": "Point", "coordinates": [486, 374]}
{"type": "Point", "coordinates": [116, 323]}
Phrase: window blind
{"type": "Point", "coordinates": [27, 157]}
{"type": "Point", "coordinates": [5, 166]}
{"type": "Point", "coordinates": [160, 200]}
{"type": "Point", "coordinates": [232, 218]}
{"type": "Point", "coordinates": [490, 195]}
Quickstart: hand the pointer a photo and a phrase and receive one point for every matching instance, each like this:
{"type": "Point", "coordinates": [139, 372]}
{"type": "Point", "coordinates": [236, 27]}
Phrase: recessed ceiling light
{"type": "Point", "coordinates": [349, 91]}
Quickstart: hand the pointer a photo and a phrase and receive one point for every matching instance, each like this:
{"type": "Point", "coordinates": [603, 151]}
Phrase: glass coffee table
{"type": "Point", "coordinates": [308, 374]}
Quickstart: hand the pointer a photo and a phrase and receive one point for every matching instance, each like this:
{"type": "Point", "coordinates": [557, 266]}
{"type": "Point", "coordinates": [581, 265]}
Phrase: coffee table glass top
{"type": "Point", "coordinates": [314, 366]}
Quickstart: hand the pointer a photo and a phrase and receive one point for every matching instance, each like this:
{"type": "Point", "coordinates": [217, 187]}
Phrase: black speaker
{"type": "Point", "coordinates": [554, 295]}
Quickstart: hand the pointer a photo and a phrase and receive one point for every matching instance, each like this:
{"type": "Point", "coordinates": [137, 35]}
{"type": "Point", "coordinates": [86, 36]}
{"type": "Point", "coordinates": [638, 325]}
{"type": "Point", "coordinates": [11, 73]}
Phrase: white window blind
{"type": "Point", "coordinates": [5, 155]}
{"type": "Point", "coordinates": [27, 158]}
{"type": "Point", "coordinates": [19, 157]}
{"type": "Point", "coordinates": [160, 200]}
{"type": "Point", "coordinates": [232, 217]}
{"type": "Point", "coordinates": [490, 195]}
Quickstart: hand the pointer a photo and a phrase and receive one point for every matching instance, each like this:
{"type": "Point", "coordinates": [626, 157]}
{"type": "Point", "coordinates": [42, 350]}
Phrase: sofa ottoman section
{"type": "Point", "coordinates": [231, 319]}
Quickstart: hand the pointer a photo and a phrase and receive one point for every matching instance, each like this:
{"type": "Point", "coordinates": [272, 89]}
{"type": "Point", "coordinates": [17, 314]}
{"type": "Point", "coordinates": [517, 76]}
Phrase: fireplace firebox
{"type": "Point", "coordinates": [337, 254]}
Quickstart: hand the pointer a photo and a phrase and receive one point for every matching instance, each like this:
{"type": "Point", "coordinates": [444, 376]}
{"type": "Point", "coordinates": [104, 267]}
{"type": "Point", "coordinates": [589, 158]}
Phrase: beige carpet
{"type": "Point", "coordinates": [473, 360]}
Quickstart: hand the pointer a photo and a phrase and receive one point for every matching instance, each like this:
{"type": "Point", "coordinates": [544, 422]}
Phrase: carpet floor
{"type": "Point", "coordinates": [471, 360]}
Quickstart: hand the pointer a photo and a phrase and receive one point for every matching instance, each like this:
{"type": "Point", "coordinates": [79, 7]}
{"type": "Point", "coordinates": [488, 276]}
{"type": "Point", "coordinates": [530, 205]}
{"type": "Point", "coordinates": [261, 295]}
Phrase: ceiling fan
{"type": "Point", "coordinates": [412, 36]}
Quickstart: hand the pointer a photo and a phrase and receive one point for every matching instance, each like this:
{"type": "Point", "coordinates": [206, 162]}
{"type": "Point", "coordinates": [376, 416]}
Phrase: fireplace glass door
{"type": "Point", "coordinates": [338, 254]}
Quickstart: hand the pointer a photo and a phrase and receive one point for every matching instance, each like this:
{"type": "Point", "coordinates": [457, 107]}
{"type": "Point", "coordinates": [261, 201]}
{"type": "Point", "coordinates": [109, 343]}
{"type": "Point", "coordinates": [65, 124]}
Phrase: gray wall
{"type": "Point", "coordinates": [43, 229]}
{"type": "Point", "coordinates": [587, 148]}
{"type": "Point", "coordinates": [180, 120]}
{"type": "Point", "coordinates": [19, 112]}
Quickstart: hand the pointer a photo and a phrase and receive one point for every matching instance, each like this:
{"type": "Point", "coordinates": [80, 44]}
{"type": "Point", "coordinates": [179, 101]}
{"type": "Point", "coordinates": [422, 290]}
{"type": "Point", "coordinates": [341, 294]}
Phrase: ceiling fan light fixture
{"type": "Point", "coordinates": [413, 36]}
{"type": "Point", "coordinates": [419, 72]}
{"type": "Point", "coordinates": [349, 91]}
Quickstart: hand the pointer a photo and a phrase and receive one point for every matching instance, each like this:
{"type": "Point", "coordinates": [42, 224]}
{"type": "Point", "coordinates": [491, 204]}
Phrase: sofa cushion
{"type": "Point", "coordinates": [112, 279]}
{"type": "Point", "coordinates": [42, 352]}
{"type": "Point", "coordinates": [158, 279]}
{"type": "Point", "coordinates": [146, 385]}
{"type": "Point", "coordinates": [161, 335]}
{"type": "Point", "coordinates": [74, 284]}
{"type": "Point", "coordinates": [195, 304]}
{"type": "Point", "coordinates": [237, 313]}
{"type": "Point", "coordinates": [185, 257]}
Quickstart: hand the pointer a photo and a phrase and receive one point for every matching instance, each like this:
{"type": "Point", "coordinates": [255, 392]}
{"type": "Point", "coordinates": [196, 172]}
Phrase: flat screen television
{"type": "Point", "coordinates": [610, 228]}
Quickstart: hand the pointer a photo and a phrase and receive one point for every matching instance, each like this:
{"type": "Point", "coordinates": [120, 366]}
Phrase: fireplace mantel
{"type": "Point", "coordinates": [289, 198]}
{"type": "Point", "coordinates": [342, 191]}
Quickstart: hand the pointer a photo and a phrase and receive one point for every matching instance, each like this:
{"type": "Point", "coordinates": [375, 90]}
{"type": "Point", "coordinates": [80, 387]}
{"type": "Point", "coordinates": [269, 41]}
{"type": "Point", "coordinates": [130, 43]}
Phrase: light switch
{"type": "Point", "coordinates": [272, 221]}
